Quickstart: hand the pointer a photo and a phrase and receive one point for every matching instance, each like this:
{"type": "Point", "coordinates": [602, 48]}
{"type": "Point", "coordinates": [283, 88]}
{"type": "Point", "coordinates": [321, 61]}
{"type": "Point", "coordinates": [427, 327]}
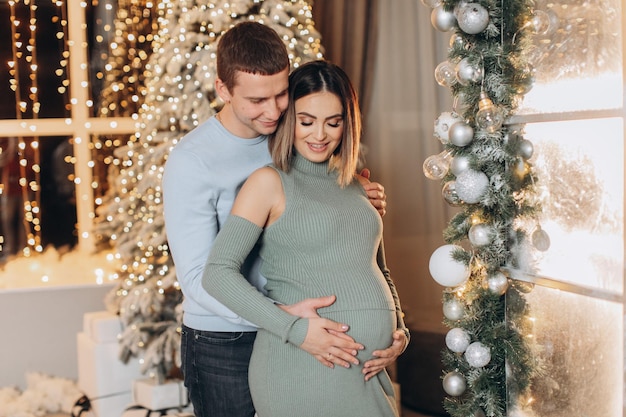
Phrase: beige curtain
{"type": "Point", "coordinates": [349, 35]}
{"type": "Point", "coordinates": [399, 135]}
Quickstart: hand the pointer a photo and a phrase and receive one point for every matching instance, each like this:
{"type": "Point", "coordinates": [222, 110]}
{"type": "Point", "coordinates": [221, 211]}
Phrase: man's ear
{"type": "Point", "coordinates": [222, 90]}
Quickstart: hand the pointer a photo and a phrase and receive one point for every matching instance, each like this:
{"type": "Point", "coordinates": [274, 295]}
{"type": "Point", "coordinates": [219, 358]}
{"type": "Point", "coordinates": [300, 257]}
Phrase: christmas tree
{"type": "Point", "coordinates": [179, 94]}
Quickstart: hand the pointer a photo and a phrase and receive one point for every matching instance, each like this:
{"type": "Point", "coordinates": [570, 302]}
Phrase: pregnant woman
{"type": "Point", "coordinates": [319, 235]}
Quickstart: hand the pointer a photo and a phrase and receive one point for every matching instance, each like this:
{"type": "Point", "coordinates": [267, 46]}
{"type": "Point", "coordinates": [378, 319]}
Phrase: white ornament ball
{"type": "Point", "coordinates": [459, 164]}
{"type": "Point", "coordinates": [477, 355]}
{"type": "Point", "coordinates": [453, 309]}
{"type": "Point", "coordinates": [497, 283]}
{"type": "Point", "coordinates": [472, 18]}
{"type": "Point", "coordinates": [443, 123]}
{"type": "Point", "coordinates": [457, 340]}
{"type": "Point", "coordinates": [441, 19]}
{"type": "Point", "coordinates": [445, 270]}
{"type": "Point", "coordinates": [480, 234]}
{"type": "Point", "coordinates": [461, 134]}
{"type": "Point", "coordinates": [471, 185]}
{"type": "Point", "coordinates": [454, 383]}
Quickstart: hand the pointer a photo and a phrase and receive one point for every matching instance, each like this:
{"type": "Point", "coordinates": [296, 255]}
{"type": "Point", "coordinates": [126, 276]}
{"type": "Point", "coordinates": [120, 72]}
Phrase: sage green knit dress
{"type": "Point", "coordinates": [328, 241]}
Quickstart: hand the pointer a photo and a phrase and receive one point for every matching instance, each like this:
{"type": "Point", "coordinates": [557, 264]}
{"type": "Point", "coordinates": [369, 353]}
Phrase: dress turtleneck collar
{"type": "Point", "coordinates": [300, 163]}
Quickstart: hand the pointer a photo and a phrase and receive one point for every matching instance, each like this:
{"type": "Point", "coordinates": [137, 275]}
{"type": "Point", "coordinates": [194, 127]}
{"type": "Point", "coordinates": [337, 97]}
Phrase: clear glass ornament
{"type": "Point", "coordinates": [488, 117]}
{"type": "Point", "coordinates": [435, 167]}
{"type": "Point", "coordinates": [431, 3]}
{"type": "Point", "coordinates": [540, 22]}
{"type": "Point", "coordinates": [448, 192]}
{"type": "Point", "coordinates": [467, 73]}
{"type": "Point", "coordinates": [540, 239]}
{"type": "Point", "coordinates": [445, 74]}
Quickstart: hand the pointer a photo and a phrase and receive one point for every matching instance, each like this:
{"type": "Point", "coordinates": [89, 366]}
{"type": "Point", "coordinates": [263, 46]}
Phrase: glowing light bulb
{"type": "Point", "coordinates": [435, 167]}
{"type": "Point", "coordinates": [488, 117]}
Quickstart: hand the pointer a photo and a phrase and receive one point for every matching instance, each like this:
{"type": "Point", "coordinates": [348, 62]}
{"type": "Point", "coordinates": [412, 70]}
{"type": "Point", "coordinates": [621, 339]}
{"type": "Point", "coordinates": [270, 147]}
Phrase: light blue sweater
{"type": "Point", "coordinates": [202, 176]}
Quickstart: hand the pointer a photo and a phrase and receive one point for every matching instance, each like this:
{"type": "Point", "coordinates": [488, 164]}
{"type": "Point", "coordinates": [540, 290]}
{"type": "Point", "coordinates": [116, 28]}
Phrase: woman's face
{"type": "Point", "coordinates": [319, 125]}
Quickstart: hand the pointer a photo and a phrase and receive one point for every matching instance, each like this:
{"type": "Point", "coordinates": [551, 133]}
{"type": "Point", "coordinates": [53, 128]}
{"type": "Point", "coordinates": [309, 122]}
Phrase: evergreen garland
{"type": "Point", "coordinates": [489, 309]}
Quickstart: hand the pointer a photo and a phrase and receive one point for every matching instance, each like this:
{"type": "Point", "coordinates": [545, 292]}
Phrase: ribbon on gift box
{"type": "Point", "coordinates": [162, 412]}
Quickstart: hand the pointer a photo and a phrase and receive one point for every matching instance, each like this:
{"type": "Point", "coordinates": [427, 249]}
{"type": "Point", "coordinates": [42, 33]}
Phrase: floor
{"type": "Point", "coordinates": [410, 413]}
{"type": "Point", "coordinates": [404, 413]}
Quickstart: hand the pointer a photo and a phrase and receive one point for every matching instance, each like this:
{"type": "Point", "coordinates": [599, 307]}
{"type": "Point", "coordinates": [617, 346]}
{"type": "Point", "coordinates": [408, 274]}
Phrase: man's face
{"type": "Point", "coordinates": [256, 103]}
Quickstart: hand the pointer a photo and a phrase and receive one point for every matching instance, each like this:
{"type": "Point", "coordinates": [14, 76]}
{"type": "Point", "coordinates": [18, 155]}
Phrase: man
{"type": "Point", "coordinates": [202, 177]}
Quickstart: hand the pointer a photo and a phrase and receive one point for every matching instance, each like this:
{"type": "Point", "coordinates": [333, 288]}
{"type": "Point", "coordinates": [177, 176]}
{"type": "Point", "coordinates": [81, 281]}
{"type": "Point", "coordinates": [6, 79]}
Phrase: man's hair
{"type": "Point", "coordinates": [250, 47]}
{"type": "Point", "coordinates": [314, 77]}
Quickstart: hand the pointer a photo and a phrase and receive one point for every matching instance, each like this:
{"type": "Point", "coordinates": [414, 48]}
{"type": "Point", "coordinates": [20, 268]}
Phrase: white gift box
{"type": "Point", "coordinates": [148, 393]}
{"type": "Point", "coordinates": [111, 406]}
{"type": "Point", "coordinates": [100, 371]}
{"type": "Point", "coordinates": [102, 326]}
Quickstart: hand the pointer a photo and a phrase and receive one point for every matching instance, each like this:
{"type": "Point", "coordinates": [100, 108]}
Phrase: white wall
{"type": "Point", "coordinates": [38, 329]}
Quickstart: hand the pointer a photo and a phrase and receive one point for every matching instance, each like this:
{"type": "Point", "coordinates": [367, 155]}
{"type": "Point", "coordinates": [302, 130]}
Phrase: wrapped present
{"type": "Point", "coordinates": [101, 372]}
{"type": "Point", "coordinates": [111, 406]}
{"type": "Point", "coordinates": [102, 326]}
{"type": "Point", "coordinates": [171, 394]}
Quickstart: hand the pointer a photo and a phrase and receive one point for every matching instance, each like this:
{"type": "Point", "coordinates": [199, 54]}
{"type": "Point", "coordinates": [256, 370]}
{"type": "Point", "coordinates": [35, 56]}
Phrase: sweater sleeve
{"type": "Point", "coordinates": [223, 280]}
{"type": "Point", "coordinates": [382, 264]}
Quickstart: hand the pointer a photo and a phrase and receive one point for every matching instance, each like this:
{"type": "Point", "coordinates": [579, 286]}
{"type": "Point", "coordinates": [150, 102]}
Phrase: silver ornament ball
{"type": "Point", "coordinates": [454, 383]}
{"type": "Point", "coordinates": [526, 149]}
{"type": "Point", "coordinates": [453, 309]}
{"type": "Point", "coordinates": [497, 283]}
{"type": "Point", "coordinates": [441, 19]}
{"type": "Point", "coordinates": [480, 234]}
{"type": "Point", "coordinates": [459, 164]}
{"type": "Point", "coordinates": [461, 134]}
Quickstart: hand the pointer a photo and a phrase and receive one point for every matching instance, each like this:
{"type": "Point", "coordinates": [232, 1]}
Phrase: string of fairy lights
{"type": "Point", "coordinates": [35, 25]}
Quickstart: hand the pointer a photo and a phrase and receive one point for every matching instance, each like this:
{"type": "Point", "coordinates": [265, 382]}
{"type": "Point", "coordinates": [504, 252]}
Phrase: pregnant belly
{"type": "Point", "coordinates": [372, 328]}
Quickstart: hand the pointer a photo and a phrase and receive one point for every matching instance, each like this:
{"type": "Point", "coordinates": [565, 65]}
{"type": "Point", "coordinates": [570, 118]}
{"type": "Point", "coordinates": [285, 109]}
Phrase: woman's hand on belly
{"type": "Point", "coordinates": [385, 357]}
{"type": "Point", "coordinates": [325, 340]}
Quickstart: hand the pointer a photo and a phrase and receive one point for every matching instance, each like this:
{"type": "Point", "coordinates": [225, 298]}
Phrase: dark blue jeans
{"type": "Point", "coordinates": [215, 368]}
